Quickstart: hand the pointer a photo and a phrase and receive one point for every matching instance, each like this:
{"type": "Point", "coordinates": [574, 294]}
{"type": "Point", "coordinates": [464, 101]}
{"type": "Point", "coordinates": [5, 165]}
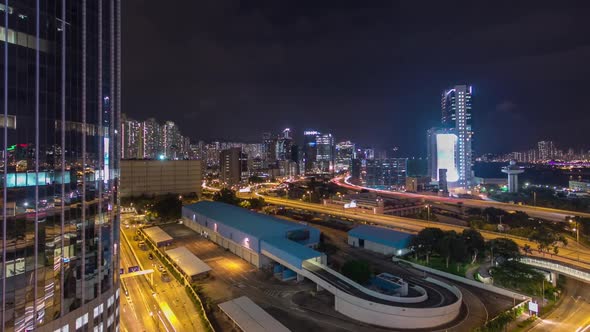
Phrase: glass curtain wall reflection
{"type": "Point", "coordinates": [60, 69]}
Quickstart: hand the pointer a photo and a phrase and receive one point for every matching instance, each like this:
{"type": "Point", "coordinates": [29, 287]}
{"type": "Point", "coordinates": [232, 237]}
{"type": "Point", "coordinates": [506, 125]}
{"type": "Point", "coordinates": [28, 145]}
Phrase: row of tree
{"type": "Point", "coordinates": [228, 196]}
{"type": "Point", "coordinates": [460, 247]}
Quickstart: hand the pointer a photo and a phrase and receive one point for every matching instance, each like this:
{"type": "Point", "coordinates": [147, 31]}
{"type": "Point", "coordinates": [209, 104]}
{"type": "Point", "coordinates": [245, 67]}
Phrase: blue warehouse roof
{"type": "Point", "coordinates": [295, 249]}
{"type": "Point", "coordinates": [254, 224]}
{"type": "Point", "coordinates": [381, 235]}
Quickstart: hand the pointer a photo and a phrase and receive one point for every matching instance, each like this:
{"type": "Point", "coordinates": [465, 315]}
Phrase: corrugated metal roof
{"type": "Point", "coordinates": [250, 317]}
{"type": "Point", "coordinates": [381, 235]}
{"type": "Point", "coordinates": [187, 261]}
{"type": "Point", "coordinates": [255, 224]}
{"type": "Point", "coordinates": [293, 248]}
{"type": "Point", "coordinates": [157, 235]}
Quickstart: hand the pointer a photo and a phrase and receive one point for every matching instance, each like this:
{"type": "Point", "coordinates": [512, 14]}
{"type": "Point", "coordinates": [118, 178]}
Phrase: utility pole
{"type": "Point", "coordinates": [534, 198]}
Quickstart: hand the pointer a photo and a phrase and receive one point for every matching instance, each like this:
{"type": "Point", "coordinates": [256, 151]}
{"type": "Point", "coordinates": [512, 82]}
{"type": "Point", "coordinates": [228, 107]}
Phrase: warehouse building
{"type": "Point", "coordinates": [379, 239]}
{"type": "Point", "coordinates": [262, 240]}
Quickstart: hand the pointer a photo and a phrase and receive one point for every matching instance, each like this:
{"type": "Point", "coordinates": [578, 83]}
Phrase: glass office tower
{"type": "Point", "coordinates": [60, 90]}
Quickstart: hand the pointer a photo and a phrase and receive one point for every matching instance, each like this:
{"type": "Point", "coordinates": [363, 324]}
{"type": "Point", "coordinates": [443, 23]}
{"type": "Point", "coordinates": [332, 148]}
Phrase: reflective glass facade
{"type": "Point", "coordinates": [60, 97]}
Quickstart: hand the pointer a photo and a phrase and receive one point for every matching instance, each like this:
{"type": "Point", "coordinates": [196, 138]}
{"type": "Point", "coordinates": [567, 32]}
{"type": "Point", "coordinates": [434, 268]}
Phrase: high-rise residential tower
{"type": "Point", "coordinates": [456, 114]}
{"type": "Point", "coordinates": [325, 153]}
{"type": "Point", "coordinates": [61, 102]}
{"type": "Point", "coordinates": [345, 152]}
{"type": "Point", "coordinates": [310, 150]}
{"type": "Point", "coordinates": [546, 150]}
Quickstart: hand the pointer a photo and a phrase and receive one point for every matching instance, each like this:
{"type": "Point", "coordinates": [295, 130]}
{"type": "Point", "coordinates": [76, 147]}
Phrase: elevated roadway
{"type": "Point", "coordinates": [573, 255]}
{"type": "Point", "coordinates": [533, 211]}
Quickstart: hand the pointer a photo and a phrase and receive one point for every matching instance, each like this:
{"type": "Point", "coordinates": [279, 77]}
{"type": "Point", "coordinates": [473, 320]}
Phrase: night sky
{"type": "Point", "coordinates": [230, 70]}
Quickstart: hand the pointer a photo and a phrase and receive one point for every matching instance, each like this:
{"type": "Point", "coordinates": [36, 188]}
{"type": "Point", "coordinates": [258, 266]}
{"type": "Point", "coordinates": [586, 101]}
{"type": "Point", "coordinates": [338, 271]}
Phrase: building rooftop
{"type": "Point", "coordinates": [250, 317]}
{"type": "Point", "coordinates": [254, 224]}
{"type": "Point", "coordinates": [190, 264]}
{"type": "Point", "coordinates": [381, 235]}
{"type": "Point", "coordinates": [157, 235]}
{"type": "Point", "coordinates": [293, 248]}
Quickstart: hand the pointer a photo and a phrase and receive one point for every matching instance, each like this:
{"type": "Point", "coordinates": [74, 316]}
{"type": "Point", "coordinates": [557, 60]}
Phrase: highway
{"type": "Point", "coordinates": [573, 314]}
{"type": "Point", "coordinates": [533, 211]}
{"type": "Point", "coordinates": [574, 254]}
{"type": "Point", "coordinates": [170, 297]}
{"type": "Point", "coordinates": [139, 309]}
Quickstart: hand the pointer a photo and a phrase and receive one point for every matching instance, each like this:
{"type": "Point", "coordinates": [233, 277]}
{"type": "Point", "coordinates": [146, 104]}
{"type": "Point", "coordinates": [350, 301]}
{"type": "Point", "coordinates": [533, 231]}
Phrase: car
{"type": "Point", "coordinates": [150, 256]}
{"type": "Point", "coordinates": [165, 276]}
{"type": "Point", "coordinates": [161, 268]}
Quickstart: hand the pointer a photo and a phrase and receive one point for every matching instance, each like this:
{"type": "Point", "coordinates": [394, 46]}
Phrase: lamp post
{"type": "Point", "coordinates": [427, 206]}
{"type": "Point", "coordinates": [576, 229]}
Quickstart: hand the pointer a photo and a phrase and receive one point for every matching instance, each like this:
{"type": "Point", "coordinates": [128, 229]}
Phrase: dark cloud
{"type": "Point", "coordinates": [368, 71]}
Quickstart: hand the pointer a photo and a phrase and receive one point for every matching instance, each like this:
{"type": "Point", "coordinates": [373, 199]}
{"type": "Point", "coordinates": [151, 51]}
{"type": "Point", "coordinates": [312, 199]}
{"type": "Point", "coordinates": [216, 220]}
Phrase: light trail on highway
{"type": "Point", "coordinates": [533, 211]}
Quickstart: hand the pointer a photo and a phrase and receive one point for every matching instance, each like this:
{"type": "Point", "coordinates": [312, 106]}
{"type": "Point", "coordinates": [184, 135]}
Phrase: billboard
{"type": "Point", "coordinates": [446, 147]}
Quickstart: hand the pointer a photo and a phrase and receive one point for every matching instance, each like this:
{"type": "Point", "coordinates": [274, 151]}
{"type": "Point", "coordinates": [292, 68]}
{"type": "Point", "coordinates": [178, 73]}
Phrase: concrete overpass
{"type": "Point", "coordinates": [556, 267]}
{"type": "Point", "coordinates": [573, 255]}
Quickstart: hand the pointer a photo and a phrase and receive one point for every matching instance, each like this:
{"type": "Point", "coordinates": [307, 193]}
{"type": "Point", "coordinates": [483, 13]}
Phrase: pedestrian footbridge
{"type": "Point", "coordinates": [557, 267]}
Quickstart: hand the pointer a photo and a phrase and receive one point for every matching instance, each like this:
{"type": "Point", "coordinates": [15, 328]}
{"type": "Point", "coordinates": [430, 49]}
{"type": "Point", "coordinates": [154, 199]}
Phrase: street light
{"type": "Point", "coordinates": [427, 206]}
{"type": "Point", "coordinates": [576, 229]}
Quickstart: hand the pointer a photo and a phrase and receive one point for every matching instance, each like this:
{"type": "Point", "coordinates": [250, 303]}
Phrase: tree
{"type": "Point", "coordinates": [245, 204]}
{"type": "Point", "coordinates": [474, 243]}
{"type": "Point", "coordinates": [473, 211]}
{"type": "Point", "coordinates": [425, 241]}
{"type": "Point", "coordinates": [167, 207]}
{"type": "Point", "coordinates": [503, 247]}
{"type": "Point", "coordinates": [226, 195]}
{"type": "Point", "coordinates": [255, 179]}
{"type": "Point", "coordinates": [357, 270]}
{"type": "Point", "coordinates": [446, 244]}
{"type": "Point", "coordinates": [547, 239]}
{"type": "Point", "coordinates": [257, 203]}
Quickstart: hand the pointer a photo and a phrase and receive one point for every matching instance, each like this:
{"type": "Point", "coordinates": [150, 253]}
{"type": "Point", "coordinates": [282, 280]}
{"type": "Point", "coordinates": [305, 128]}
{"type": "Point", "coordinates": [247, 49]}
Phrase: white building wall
{"type": "Point", "coordinates": [376, 247]}
{"type": "Point", "coordinates": [245, 254]}
{"type": "Point", "coordinates": [379, 248]}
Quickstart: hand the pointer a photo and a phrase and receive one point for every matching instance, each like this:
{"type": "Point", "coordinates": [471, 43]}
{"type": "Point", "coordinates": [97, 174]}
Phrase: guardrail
{"type": "Point", "coordinates": [557, 267]}
{"type": "Point", "coordinates": [423, 297]}
{"type": "Point", "coordinates": [491, 288]}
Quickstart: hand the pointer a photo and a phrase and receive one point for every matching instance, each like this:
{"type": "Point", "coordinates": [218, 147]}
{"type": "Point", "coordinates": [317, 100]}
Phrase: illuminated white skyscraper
{"type": "Point", "coordinates": [456, 114]}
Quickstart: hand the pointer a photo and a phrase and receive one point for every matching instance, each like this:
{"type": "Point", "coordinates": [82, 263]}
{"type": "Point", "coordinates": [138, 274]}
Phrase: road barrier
{"type": "Point", "coordinates": [490, 288]}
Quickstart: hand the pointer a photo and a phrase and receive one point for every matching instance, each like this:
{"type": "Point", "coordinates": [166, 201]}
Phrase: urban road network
{"type": "Point", "coordinates": [533, 211]}
{"type": "Point", "coordinates": [574, 254]}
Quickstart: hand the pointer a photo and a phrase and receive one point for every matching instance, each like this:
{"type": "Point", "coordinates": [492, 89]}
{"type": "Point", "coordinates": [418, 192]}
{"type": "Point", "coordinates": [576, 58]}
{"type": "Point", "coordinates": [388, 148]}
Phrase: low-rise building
{"type": "Point", "coordinates": [262, 240]}
{"type": "Point", "coordinates": [160, 177]}
{"type": "Point", "coordinates": [375, 204]}
{"type": "Point", "coordinates": [379, 239]}
{"type": "Point", "coordinates": [580, 185]}
{"type": "Point", "coordinates": [417, 184]}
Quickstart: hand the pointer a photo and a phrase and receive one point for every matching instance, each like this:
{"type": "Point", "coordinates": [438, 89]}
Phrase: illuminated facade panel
{"type": "Point", "coordinates": [446, 147]}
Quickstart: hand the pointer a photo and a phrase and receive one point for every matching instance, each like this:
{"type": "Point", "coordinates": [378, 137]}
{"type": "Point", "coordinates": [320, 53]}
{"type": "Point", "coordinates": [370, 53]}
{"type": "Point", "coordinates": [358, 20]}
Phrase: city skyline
{"type": "Point", "coordinates": [298, 66]}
